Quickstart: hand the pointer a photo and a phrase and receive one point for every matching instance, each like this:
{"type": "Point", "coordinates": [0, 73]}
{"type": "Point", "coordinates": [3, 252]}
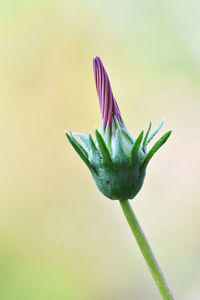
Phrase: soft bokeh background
{"type": "Point", "coordinates": [59, 237]}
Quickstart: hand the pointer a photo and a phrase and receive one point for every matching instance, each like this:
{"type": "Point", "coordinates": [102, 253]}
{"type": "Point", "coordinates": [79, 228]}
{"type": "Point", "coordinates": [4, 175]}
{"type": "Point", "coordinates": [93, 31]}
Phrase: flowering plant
{"type": "Point", "coordinates": [116, 160]}
{"type": "Point", "coordinates": [118, 163]}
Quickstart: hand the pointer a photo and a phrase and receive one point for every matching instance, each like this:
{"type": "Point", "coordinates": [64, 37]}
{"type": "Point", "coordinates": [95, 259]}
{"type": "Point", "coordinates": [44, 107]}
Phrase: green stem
{"type": "Point", "coordinates": [146, 251]}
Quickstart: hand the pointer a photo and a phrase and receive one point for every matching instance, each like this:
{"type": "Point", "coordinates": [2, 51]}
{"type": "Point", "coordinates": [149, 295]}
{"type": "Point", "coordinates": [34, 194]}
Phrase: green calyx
{"type": "Point", "coordinates": [116, 161]}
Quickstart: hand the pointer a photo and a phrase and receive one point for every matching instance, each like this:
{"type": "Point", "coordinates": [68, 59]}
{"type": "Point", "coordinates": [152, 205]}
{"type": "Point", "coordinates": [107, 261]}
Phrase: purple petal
{"type": "Point", "coordinates": [108, 105]}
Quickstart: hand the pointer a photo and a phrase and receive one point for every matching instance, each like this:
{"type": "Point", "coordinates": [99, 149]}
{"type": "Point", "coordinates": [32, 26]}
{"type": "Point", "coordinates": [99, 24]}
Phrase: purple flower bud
{"type": "Point", "coordinates": [107, 102]}
{"type": "Point", "coordinates": [115, 159]}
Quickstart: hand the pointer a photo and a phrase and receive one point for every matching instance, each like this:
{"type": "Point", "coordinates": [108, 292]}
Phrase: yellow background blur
{"type": "Point", "coordinates": [59, 237]}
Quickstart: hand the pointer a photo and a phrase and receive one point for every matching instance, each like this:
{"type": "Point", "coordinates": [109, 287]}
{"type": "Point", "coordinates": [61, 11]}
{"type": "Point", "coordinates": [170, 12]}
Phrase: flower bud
{"type": "Point", "coordinates": [115, 159]}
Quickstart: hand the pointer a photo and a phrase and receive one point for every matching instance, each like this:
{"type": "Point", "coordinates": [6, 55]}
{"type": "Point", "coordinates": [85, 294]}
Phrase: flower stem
{"type": "Point", "coordinates": [146, 251]}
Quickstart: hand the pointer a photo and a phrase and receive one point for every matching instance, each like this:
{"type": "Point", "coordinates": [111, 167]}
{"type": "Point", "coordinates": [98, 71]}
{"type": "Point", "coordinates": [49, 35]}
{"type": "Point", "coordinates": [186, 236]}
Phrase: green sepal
{"type": "Point", "coordinates": [155, 148]}
{"type": "Point", "coordinates": [83, 138]}
{"type": "Point", "coordinates": [79, 149]}
{"type": "Point", "coordinates": [137, 144]}
{"type": "Point", "coordinates": [108, 138]}
{"type": "Point", "coordinates": [155, 131]}
{"type": "Point", "coordinates": [119, 154]}
{"type": "Point", "coordinates": [92, 144]}
{"type": "Point", "coordinates": [145, 138]}
{"type": "Point", "coordinates": [117, 161]}
{"type": "Point", "coordinates": [128, 136]}
{"type": "Point", "coordinates": [102, 148]}
{"type": "Point", "coordinates": [117, 124]}
{"type": "Point", "coordinates": [79, 145]}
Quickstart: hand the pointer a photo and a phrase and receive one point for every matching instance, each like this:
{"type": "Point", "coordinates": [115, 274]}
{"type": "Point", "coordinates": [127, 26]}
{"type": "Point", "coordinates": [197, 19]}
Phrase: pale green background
{"type": "Point", "coordinates": [60, 239]}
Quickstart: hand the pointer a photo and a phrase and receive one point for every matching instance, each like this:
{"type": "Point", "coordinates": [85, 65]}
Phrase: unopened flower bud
{"type": "Point", "coordinates": [115, 159]}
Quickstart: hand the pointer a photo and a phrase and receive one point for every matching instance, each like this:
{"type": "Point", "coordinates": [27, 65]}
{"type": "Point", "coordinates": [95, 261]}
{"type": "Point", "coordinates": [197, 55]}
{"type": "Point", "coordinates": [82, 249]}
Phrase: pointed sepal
{"type": "Point", "coordinates": [155, 132]}
{"type": "Point", "coordinates": [102, 148]}
{"type": "Point", "coordinates": [79, 149]}
{"type": "Point", "coordinates": [137, 144]}
{"type": "Point", "coordinates": [92, 144]}
{"type": "Point", "coordinates": [128, 136]}
{"type": "Point", "coordinates": [83, 138]}
{"type": "Point", "coordinates": [119, 154]}
{"type": "Point", "coordinates": [155, 148]}
{"type": "Point", "coordinates": [144, 145]}
{"type": "Point", "coordinates": [108, 138]}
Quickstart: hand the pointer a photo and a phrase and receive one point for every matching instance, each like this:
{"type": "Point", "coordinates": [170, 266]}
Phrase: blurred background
{"type": "Point", "coordinates": [60, 239]}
